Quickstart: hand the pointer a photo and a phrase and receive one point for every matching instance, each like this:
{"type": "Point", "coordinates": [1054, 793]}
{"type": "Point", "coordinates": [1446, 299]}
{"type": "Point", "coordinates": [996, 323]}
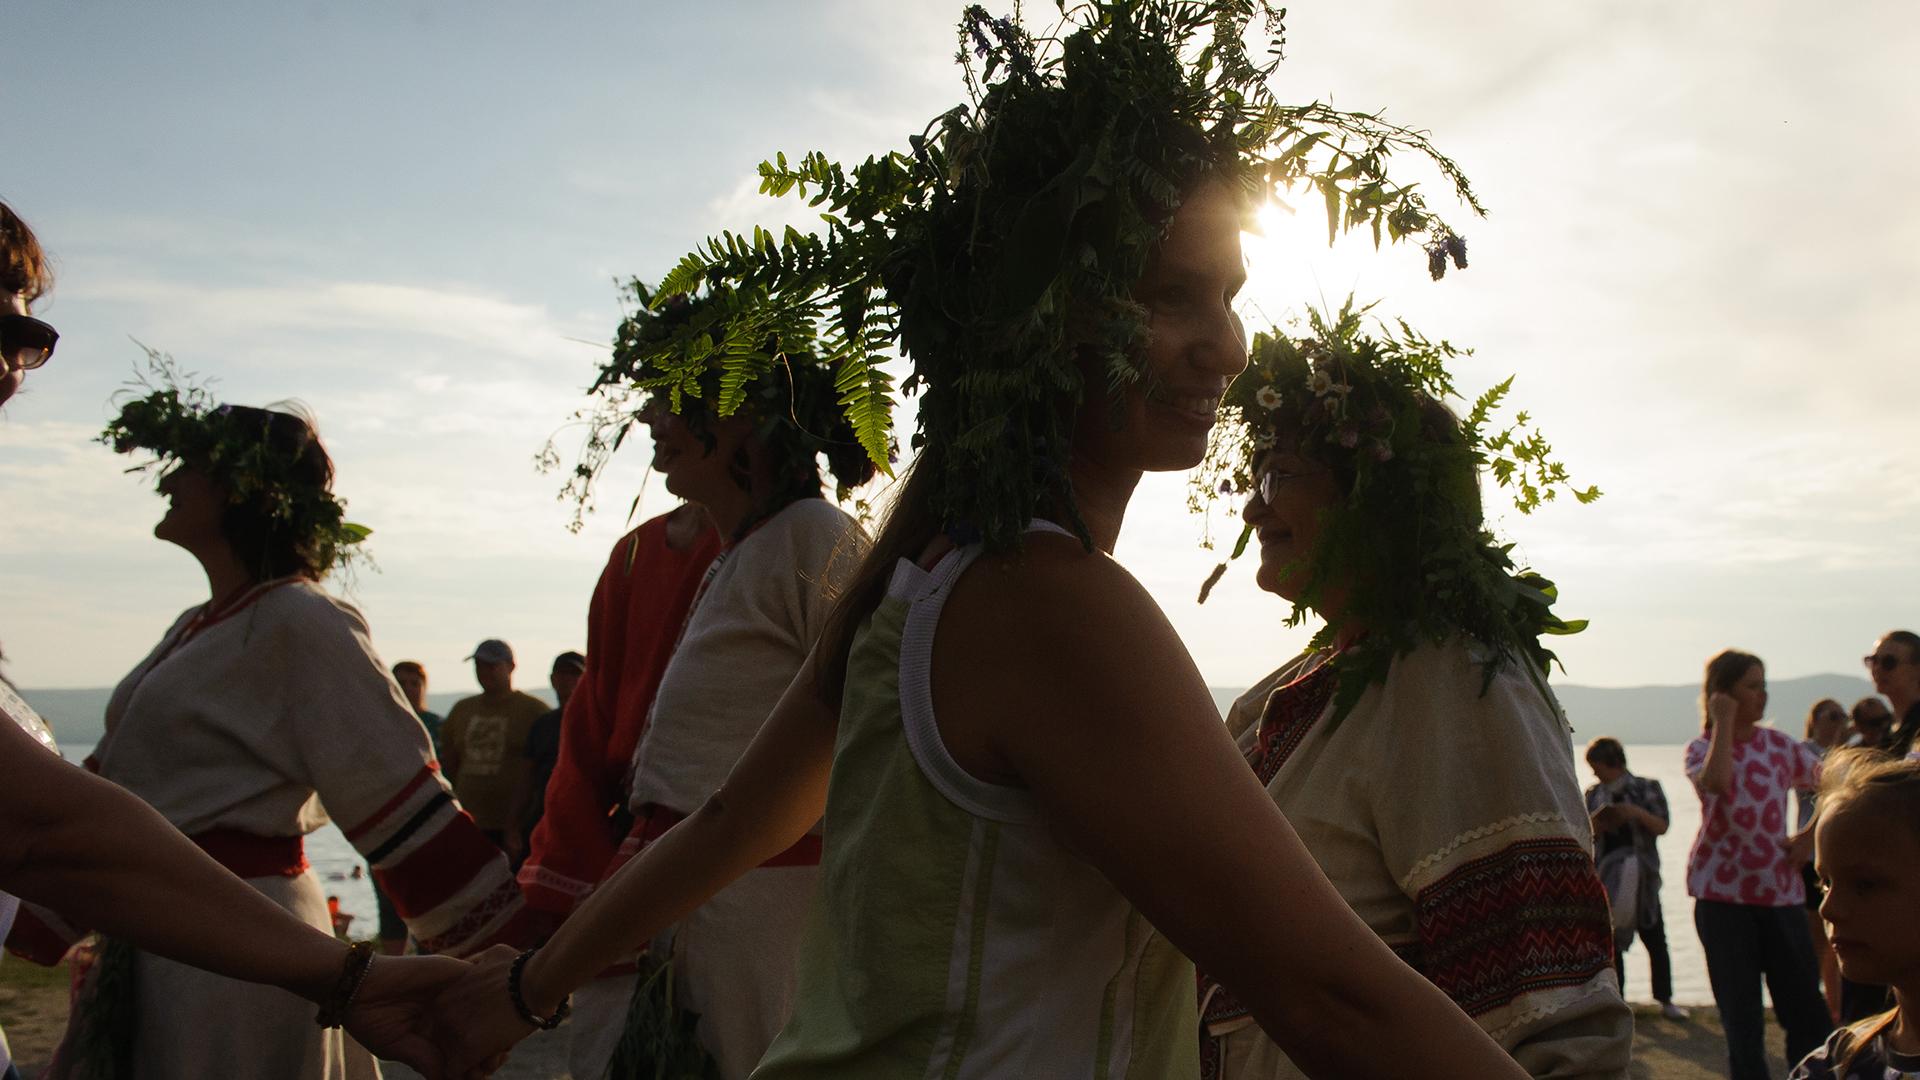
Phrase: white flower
{"type": "Point", "coordinates": [1268, 397]}
{"type": "Point", "coordinates": [1320, 382]}
{"type": "Point", "coordinates": [1264, 441]}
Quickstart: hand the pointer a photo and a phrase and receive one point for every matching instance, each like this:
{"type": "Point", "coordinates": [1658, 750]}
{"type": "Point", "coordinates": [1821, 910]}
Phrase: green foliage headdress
{"type": "Point", "coordinates": [998, 251]}
{"type": "Point", "coordinates": [268, 462]}
{"type": "Point", "coordinates": [717, 368]}
{"type": "Point", "coordinates": [1408, 547]}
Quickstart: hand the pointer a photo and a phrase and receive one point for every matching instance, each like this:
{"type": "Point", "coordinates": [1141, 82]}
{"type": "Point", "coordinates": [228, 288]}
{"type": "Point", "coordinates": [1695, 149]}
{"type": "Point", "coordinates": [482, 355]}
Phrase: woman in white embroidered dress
{"type": "Point", "coordinates": [262, 714]}
{"type": "Point", "coordinates": [1438, 795]}
{"type": "Point", "coordinates": [785, 549]}
{"type": "Point", "coordinates": [121, 867]}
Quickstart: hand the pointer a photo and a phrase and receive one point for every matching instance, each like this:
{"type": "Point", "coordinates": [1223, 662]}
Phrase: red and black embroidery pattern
{"type": "Point", "coordinates": [1292, 711]}
{"type": "Point", "coordinates": [1529, 917]}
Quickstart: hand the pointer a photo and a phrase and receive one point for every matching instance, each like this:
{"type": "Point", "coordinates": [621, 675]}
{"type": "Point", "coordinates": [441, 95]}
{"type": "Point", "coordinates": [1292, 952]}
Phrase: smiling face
{"type": "Point", "coordinates": [691, 469]}
{"type": "Point", "coordinates": [195, 505]}
{"type": "Point", "coordinates": [1871, 869]}
{"type": "Point", "coordinates": [1285, 511]}
{"type": "Point", "coordinates": [1195, 345]}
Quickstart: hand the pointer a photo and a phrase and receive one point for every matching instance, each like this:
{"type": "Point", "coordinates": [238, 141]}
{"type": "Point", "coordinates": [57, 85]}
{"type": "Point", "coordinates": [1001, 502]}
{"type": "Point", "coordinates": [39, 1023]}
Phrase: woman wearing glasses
{"type": "Point", "coordinates": [1415, 746]}
{"type": "Point", "coordinates": [1895, 667]}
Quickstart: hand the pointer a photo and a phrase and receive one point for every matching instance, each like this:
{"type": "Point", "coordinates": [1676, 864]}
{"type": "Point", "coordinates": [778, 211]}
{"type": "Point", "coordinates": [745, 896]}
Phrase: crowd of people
{"type": "Point", "coordinates": [1767, 907]}
{"type": "Point", "coordinates": [950, 797]}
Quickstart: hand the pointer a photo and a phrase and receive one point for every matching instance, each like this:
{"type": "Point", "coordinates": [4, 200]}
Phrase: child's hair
{"type": "Point", "coordinates": [1888, 788]}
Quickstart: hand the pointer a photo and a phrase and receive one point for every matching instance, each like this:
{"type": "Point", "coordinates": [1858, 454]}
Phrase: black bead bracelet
{"type": "Point", "coordinates": [520, 1001]}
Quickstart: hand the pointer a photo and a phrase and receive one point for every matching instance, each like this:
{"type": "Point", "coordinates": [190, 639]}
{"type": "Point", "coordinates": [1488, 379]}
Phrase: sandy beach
{"type": "Point", "coordinates": [33, 1010]}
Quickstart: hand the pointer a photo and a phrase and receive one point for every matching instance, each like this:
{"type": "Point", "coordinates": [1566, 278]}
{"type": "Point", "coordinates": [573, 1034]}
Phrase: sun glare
{"type": "Point", "coordinates": [1290, 267]}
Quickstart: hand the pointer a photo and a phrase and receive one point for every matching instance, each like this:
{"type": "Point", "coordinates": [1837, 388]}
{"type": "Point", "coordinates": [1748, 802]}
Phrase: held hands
{"type": "Point", "coordinates": [474, 1018]}
{"type": "Point", "coordinates": [392, 1013]}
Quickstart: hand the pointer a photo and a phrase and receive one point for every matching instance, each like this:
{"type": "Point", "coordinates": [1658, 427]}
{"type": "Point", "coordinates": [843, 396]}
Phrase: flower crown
{"type": "Point", "coordinates": [179, 422]}
{"type": "Point", "coordinates": [998, 251]}
{"type": "Point", "coordinates": [1408, 547]}
{"type": "Point", "coordinates": [680, 350]}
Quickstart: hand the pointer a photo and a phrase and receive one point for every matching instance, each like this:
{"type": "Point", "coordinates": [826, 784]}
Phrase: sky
{"type": "Point", "coordinates": [1701, 261]}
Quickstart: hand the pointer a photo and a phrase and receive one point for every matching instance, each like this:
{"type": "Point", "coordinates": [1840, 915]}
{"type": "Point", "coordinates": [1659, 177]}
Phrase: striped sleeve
{"type": "Point", "coordinates": [366, 754]}
{"type": "Point", "coordinates": [445, 878]}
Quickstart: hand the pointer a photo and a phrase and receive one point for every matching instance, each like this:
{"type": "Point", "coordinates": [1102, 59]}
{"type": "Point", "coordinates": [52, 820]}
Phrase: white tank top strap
{"type": "Point", "coordinates": [926, 594]}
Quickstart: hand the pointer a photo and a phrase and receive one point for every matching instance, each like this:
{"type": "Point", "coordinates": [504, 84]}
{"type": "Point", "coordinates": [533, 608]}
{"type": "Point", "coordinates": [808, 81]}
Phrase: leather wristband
{"type": "Point", "coordinates": [520, 1001]}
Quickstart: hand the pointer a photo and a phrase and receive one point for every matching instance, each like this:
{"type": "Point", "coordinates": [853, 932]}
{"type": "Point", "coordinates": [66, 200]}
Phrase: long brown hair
{"type": "Point", "coordinates": [1723, 671]}
{"type": "Point", "coordinates": [1889, 789]}
{"type": "Point", "coordinates": [23, 265]}
{"type": "Point", "coordinates": [910, 524]}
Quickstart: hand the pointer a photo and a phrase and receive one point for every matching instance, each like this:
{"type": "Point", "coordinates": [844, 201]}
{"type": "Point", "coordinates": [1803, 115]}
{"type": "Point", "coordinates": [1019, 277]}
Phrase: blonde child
{"type": "Point", "coordinates": [1867, 850]}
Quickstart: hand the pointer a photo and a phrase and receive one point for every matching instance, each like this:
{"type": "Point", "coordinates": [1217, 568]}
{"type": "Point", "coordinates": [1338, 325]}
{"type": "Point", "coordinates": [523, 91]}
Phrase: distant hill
{"type": "Point", "coordinates": [1671, 714]}
{"type": "Point", "coordinates": [76, 716]}
{"type": "Point", "coordinates": [1633, 714]}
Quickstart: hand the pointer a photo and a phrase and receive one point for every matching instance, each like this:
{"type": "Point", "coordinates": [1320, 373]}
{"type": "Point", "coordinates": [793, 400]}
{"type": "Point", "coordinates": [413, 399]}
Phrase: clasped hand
{"type": "Point", "coordinates": [445, 1018]}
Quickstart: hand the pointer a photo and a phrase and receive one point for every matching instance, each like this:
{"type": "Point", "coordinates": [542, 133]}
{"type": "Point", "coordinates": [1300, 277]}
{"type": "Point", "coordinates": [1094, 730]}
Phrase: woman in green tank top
{"type": "Point", "coordinates": [1033, 813]}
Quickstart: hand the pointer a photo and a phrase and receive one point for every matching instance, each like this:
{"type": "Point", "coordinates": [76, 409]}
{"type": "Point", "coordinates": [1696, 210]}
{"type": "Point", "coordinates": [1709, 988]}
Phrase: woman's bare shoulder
{"type": "Point", "coordinates": [1054, 608]}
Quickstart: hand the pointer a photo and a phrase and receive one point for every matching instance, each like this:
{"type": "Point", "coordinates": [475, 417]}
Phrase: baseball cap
{"type": "Point", "coordinates": [570, 661]}
{"type": "Point", "coordinates": [493, 651]}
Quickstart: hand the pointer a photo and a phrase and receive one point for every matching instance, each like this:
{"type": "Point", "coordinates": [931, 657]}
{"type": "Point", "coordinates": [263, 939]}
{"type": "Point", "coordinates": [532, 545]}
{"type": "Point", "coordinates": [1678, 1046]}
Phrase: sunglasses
{"type": "Point", "coordinates": [25, 342]}
{"type": "Point", "coordinates": [1881, 661]}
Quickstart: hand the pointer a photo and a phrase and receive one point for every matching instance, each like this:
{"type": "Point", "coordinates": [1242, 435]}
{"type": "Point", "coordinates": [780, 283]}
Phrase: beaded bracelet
{"type": "Point", "coordinates": [520, 1001]}
{"type": "Point", "coordinates": [333, 1010]}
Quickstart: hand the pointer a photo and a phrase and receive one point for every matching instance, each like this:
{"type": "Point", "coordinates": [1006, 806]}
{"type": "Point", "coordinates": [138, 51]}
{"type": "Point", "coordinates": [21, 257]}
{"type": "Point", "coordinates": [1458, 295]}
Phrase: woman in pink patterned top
{"type": "Point", "coordinates": [1744, 871]}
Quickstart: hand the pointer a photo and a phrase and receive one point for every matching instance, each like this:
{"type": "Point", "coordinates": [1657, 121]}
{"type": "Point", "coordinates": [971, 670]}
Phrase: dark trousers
{"type": "Point", "coordinates": [1744, 943]}
{"type": "Point", "coordinates": [1655, 939]}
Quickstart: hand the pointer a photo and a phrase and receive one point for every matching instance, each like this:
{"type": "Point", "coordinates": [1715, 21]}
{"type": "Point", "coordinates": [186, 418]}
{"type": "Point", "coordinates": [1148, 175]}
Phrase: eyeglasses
{"type": "Point", "coordinates": [1881, 661]}
{"type": "Point", "coordinates": [25, 342]}
{"type": "Point", "coordinates": [1271, 479]}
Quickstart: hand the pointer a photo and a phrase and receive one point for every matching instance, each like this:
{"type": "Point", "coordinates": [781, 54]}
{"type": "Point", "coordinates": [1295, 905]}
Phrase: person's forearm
{"type": "Point", "coordinates": [1717, 776]}
{"type": "Point", "coordinates": [102, 857]}
{"type": "Point", "coordinates": [1651, 821]}
{"type": "Point", "coordinates": [668, 881]}
{"type": "Point", "coordinates": [774, 794]}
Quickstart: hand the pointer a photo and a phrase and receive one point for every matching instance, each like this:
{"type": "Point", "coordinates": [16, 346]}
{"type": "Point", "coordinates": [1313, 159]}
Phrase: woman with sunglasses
{"type": "Point", "coordinates": [1415, 746]}
{"type": "Point", "coordinates": [123, 869]}
{"type": "Point", "coordinates": [25, 342]}
{"type": "Point", "coordinates": [1895, 667]}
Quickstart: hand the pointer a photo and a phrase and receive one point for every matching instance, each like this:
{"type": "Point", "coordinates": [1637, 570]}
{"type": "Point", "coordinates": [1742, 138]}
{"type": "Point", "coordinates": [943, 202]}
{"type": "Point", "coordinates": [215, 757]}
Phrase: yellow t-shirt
{"type": "Point", "coordinates": [489, 735]}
